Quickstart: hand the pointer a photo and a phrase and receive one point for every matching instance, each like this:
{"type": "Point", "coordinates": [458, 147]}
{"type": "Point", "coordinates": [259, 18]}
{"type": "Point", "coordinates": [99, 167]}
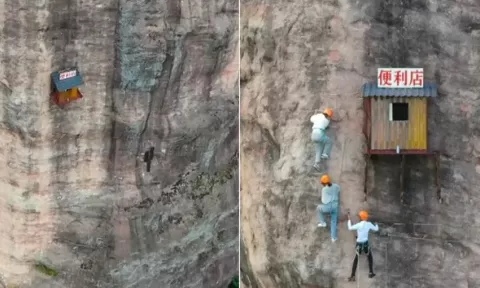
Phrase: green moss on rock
{"type": "Point", "coordinates": [44, 269]}
{"type": "Point", "coordinates": [206, 182]}
{"type": "Point", "coordinates": [235, 283]}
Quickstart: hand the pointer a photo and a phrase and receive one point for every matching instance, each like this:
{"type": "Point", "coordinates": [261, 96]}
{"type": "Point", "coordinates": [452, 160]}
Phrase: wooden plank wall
{"type": "Point", "coordinates": [418, 133]}
{"type": "Point", "coordinates": [410, 134]}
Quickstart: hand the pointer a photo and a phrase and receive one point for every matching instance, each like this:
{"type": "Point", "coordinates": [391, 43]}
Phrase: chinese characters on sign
{"type": "Point", "coordinates": [400, 77]}
{"type": "Point", "coordinates": [68, 74]}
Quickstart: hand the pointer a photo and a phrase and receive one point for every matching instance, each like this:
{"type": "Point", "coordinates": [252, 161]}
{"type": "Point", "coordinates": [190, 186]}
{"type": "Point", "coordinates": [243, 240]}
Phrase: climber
{"type": "Point", "coordinates": [362, 246]}
{"type": "Point", "coordinates": [323, 144]}
{"type": "Point", "coordinates": [148, 157]}
{"type": "Point", "coordinates": [330, 204]}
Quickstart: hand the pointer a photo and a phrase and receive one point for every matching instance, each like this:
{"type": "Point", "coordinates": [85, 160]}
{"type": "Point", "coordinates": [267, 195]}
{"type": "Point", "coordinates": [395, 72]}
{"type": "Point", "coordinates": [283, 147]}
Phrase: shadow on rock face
{"type": "Point", "coordinates": [402, 23]}
{"type": "Point", "coordinates": [287, 275]}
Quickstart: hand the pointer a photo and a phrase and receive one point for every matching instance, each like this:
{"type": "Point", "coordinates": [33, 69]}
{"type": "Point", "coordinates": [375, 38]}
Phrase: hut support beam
{"type": "Point", "coordinates": [365, 184]}
{"type": "Point", "coordinates": [402, 179]}
{"type": "Point", "coordinates": [437, 177]}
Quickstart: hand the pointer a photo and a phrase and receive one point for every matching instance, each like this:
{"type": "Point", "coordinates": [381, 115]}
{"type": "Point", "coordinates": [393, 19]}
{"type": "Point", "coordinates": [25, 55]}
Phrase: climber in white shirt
{"type": "Point", "coordinates": [362, 246]}
{"type": "Point", "coordinates": [323, 144]}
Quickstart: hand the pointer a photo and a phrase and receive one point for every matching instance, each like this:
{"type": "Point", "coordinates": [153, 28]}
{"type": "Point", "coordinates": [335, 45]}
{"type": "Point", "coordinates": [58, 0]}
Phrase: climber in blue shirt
{"type": "Point", "coordinates": [330, 205]}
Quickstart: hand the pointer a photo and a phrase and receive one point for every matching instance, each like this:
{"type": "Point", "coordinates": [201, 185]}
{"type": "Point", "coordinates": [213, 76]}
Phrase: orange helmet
{"type": "Point", "coordinates": [328, 112]}
{"type": "Point", "coordinates": [325, 179]}
{"type": "Point", "coordinates": [363, 215]}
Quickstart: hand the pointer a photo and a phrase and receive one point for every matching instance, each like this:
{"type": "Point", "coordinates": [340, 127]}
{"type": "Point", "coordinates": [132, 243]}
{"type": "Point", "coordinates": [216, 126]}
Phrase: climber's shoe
{"type": "Point", "coordinates": [322, 224]}
{"type": "Point", "coordinates": [371, 275]}
{"type": "Point", "coordinates": [334, 240]}
{"type": "Point", "coordinates": [324, 156]}
{"type": "Point", "coordinates": [351, 279]}
{"type": "Point", "coordinates": [317, 167]}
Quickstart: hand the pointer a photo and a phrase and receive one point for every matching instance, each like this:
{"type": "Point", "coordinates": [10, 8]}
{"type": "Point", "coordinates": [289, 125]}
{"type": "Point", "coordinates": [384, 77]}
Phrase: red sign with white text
{"type": "Point", "coordinates": [400, 78]}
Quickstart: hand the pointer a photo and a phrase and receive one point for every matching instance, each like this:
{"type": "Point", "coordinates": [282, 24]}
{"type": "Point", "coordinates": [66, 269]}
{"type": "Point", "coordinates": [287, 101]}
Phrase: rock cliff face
{"type": "Point", "coordinates": [77, 205]}
{"type": "Point", "coordinates": [298, 56]}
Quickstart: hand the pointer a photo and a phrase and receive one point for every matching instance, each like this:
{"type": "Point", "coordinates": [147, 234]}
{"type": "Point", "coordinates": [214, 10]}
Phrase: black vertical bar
{"type": "Point", "coordinates": [402, 179]}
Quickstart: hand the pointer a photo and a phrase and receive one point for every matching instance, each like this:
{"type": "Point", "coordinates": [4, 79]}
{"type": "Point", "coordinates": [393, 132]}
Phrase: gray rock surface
{"type": "Point", "coordinates": [298, 56]}
{"type": "Point", "coordinates": [75, 196]}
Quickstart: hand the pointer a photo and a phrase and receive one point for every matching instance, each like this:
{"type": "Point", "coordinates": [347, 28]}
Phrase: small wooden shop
{"type": "Point", "coordinates": [65, 86]}
{"type": "Point", "coordinates": [396, 121]}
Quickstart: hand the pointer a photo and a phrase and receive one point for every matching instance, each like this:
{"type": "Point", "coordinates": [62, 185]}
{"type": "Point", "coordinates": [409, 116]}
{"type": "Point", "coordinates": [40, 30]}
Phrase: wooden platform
{"type": "Point", "coordinates": [402, 152]}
